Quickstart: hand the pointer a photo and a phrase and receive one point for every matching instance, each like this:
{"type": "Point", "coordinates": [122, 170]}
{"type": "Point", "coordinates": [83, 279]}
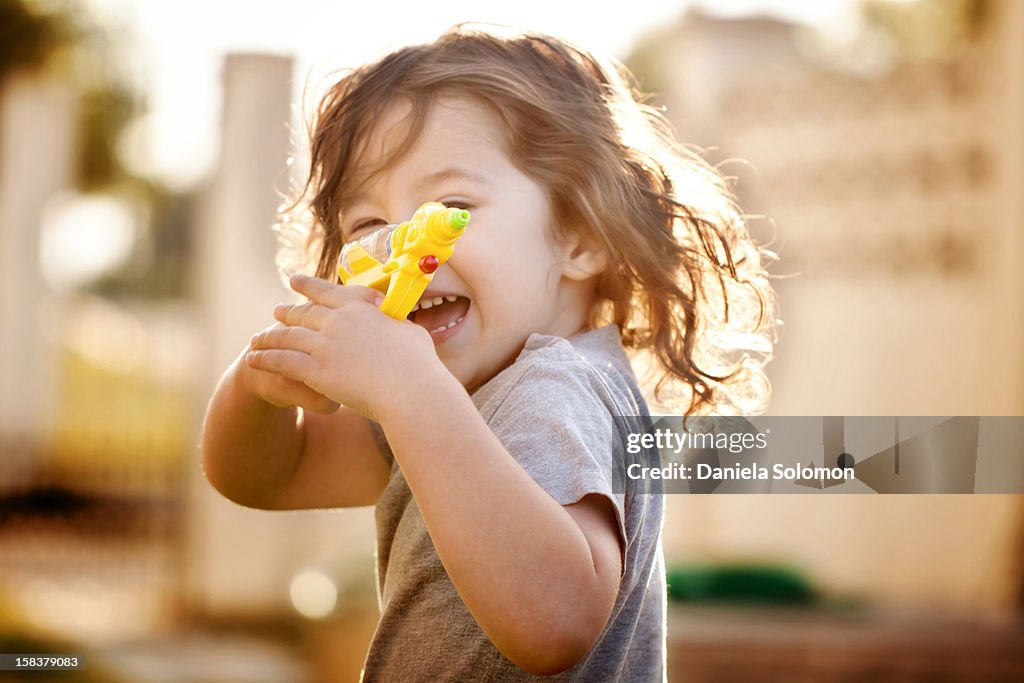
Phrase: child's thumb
{"type": "Point", "coordinates": [369, 295]}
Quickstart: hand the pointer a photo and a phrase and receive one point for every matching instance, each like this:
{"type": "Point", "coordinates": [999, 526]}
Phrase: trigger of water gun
{"type": "Point", "coordinates": [404, 290]}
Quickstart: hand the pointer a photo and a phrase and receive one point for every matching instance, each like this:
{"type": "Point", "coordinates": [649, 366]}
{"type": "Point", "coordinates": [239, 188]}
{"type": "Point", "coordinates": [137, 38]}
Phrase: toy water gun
{"type": "Point", "coordinates": [400, 260]}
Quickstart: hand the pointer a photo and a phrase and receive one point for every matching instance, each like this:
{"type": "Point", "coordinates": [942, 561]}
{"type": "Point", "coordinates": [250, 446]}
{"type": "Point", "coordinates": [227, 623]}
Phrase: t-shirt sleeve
{"type": "Point", "coordinates": [558, 426]}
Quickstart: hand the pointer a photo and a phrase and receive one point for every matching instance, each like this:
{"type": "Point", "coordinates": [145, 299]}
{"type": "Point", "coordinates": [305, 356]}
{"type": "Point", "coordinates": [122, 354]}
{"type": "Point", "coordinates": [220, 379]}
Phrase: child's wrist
{"type": "Point", "coordinates": [430, 383]}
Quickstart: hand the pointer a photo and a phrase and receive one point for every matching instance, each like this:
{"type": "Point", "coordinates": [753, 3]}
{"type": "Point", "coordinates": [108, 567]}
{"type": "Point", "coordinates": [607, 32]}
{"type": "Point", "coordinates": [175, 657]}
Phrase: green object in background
{"type": "Point", "coordinates": [739, 583]}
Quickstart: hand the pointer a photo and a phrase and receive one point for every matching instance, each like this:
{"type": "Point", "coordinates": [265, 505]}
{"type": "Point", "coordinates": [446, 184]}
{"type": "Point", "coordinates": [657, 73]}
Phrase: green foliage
{"type": "Point", "coordinates": [66, 40]}
{"type": "Point", "coordinates": [28, 38]}
{"type": "Point", "coordinates": [739, 583]}
{"type": "Point", "coordinates": [103, 114]}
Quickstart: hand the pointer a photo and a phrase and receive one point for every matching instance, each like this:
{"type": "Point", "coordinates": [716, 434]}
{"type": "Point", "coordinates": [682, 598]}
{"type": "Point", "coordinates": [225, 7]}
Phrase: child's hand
{"type": "Point", "coordinates": [281, 391]}
{"type": "Point", "coordinates": [342, 347]}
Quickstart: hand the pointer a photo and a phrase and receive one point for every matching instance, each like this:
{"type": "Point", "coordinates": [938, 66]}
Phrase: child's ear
{"type": "Point", "coordinates": [583, 259]}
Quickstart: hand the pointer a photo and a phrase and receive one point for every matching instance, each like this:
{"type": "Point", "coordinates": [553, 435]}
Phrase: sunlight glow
{"type": "Point", "coordinates": [176, 50]}
{"type": "Point", "coordinates": [313, 594]}
{"type": "Point", "coordinates": [84, 236]}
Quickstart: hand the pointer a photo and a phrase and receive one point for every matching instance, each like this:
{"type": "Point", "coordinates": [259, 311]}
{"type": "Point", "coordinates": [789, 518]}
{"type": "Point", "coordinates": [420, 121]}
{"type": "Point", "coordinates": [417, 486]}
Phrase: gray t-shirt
{"type": "Point", "coordinates": [553, 411]}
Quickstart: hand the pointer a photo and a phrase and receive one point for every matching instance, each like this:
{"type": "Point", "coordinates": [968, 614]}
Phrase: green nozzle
{"type": "Point", "coordinates": [458, 220]}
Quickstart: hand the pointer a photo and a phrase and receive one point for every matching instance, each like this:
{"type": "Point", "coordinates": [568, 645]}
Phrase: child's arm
{"type": "Point", "coordinates": [539, 578]}
{"type": "Point", "coordinates": [260, 450]}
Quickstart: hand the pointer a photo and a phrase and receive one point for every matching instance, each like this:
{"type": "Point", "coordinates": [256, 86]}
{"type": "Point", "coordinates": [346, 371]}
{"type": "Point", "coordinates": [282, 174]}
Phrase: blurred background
{"type": "Point", "coordinates": [144, 147]}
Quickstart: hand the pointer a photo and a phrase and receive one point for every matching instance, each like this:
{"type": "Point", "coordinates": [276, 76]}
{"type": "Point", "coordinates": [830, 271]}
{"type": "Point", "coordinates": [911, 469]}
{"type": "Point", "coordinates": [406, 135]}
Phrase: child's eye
{"type": "Point", "coordinates": [365, 225]}
{"type": "Point", "coordinates": [457, 204]}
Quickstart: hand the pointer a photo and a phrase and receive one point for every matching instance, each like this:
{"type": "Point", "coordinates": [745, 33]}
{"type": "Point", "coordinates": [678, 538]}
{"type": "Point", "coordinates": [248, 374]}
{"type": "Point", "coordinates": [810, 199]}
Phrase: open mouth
{"type": "Point", "coordinates": [439, 314]}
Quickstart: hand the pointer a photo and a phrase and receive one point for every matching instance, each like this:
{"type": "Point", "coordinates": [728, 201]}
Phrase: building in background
{"type": "Point", "coordinates": [891, 168]}
{"type": "Point", "coordinates": [888, 174]}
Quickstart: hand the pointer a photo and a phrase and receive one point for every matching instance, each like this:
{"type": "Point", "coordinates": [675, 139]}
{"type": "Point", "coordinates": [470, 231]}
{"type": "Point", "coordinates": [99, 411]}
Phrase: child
{"type": "Point", "coordinates": [482, 426]}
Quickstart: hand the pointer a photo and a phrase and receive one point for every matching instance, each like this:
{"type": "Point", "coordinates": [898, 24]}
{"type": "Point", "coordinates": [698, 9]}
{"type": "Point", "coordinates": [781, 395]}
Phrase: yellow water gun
{"type": "Point", "coordinates": [400, 260]}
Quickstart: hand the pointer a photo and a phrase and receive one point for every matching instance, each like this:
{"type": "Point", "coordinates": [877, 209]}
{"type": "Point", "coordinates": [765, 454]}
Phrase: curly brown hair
{"type": "Point", "coordinates": [686, 285]}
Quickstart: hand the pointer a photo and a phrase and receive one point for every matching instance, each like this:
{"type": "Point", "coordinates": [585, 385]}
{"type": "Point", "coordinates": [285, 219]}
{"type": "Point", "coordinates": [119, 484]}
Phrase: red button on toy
{"type": "Point", "coordinates": [429, 263]}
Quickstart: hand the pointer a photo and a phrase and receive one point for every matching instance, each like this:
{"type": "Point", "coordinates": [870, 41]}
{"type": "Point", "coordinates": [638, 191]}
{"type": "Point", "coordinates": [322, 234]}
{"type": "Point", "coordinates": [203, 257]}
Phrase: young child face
{"type": "Point", "coordinates": [506, 273]}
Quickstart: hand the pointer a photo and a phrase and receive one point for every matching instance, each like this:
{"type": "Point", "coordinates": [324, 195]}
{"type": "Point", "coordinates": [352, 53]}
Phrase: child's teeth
{"type": "Point", "coordinates": [449, 325]}
{"type": "Point", "coordinates": [435, 301]}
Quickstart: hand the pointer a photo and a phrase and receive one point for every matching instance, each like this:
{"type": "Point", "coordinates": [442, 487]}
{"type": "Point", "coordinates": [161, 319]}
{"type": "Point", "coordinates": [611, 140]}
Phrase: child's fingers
{"type": "Point", "coordinates": [320, 290]}
{"type": "Point", "coordinates": [318, 404]}
{"type": "Point", "coordinates": [287, 393]}
{"type": "Point", "coordinates": [309, 315]}
{"type": "Point", "coordinates": [330, 294]}
{"type": "Point", "coordinates": [294, 338]}
{"type": "Point", "coordinates": [307, 399]}
{"type": "Point", "coordinates": [292, 364]}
